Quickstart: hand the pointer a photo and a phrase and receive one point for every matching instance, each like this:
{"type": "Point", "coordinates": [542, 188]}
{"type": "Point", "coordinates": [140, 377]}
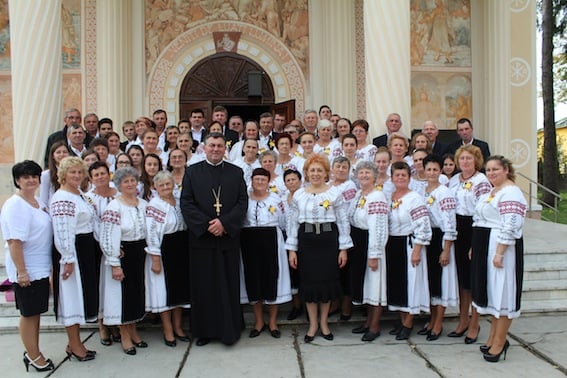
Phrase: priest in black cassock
{"type": "Point", "coordinates": [214, 203]}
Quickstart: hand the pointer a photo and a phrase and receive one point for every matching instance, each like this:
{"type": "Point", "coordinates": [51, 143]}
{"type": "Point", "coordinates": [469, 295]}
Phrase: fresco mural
{"type": "Point", "coordinates": [71, 33]}
{"type": "Point", "coordinates": [440, 55]}
{"type": "Point", "coordinates": [6, 120]}
{"type": "Point", "coordinates": [4, 36]}
{"type": "Point", "coordinates": [288, 20]}
{"type": "Point", "coordinates": [72, 91]}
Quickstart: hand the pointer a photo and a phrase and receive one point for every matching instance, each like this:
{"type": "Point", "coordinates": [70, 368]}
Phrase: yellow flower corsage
{"type": "Point", "coordinates": [467, 185]}
{"type": "Point", "coordinates": [272, 209]}
{"type": "Point", "coordinates": [262, 150]}
{"type": "Point", "coordinates": [228, 143]}
{"type": "Point", "coordinates": [327, 150]}
{"type": "Point", "coordinates": [490, 198]}
{"type": "Point", "coordinates": [273, 189]}
{"type": "Point", "coordinates": [361, 202]}
{"type": "Point", "coordinates": [271, 144]}
{"type": "Point", "coordinates": [396, 203]}
{"type": "Point", "coordinates": [430, 200]}
{"type": "Point", "coordinates": [379, 187]}
{"type": "Point", "coordinates": [297, 153]}
{"type": "Point", "coordinates": [326, 204]}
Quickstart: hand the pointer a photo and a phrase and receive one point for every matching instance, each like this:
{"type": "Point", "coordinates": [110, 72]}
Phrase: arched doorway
{"type": "Point", "coordinates": [231, 80]}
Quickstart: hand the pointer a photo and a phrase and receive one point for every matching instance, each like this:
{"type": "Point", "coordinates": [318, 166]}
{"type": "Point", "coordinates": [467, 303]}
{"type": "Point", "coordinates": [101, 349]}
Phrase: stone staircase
{"type": "Point", "coordinates": [545, 279]}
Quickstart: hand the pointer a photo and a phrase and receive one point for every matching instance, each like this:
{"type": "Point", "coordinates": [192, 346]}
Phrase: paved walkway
{"type": "Point", "coordinates": [538, 349]}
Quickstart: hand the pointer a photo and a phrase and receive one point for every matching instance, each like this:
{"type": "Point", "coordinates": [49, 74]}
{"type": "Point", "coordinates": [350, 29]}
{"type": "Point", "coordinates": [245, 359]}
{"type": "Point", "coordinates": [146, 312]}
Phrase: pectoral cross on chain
{"type": "Point", "coordinates": [217, 205]}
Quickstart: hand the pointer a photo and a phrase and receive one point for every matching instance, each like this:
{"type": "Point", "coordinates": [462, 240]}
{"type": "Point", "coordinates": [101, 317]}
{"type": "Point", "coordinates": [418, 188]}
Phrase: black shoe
{"type": "Point", "coordinates": [169, 343]}
{"type": "Point", "coordinates": [484, 348]}
{"type": "Point", "coordinates": [294, 313]}
{"type": "Point", "coordinates": [345, 318]}
{"type": "Point", "coordinates": [87, 357]}
{"type": "Point", "coordinates": [130, 351]}
{"type": "Point", "coordinates": [433, 336]}
{"type": "Point", "coordinates": [28, 361]}
{"type": "Point", "coordinates": [201, 341]}
{"type": "Point", "coordinates": [470, 340]}
{"type": "Point", "coordinates": [116, 337]}
{"type": "Point", "coordinates": [255, 333]}
{"type": "Point", "coordinates": [458, 334]}
{"type": "Point", "coordinates": [404, 333]}
{"type": "Point", "coordinates": [276, 334]}
{"type": "Point", "coordinates": [396, 330]}
{"type": "Point", "coordinates": [308, 338]}
{"type": "Point", "coordinates": [424, 331]}
{"type": "Point", "coordinates": [141, 344]}
{"type": "Point", "coordinates": [329, 336]}
{"type": "Point", "coordinates": [496, 357]}
{"type": "Point", "coordinates": [184, 338]}
{"type": "Point", "coordinates": [360, 329]}
{"type": "Point", "coordinates": [370, 336]}
{"type": "Point", "coordinates": [106, 342]}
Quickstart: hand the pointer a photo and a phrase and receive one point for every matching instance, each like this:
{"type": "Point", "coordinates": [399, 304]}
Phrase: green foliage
{"type": "Point", "coordinates": [562, 214]}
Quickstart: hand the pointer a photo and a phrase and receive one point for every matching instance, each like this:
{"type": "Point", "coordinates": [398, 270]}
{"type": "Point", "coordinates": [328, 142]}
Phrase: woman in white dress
{"type": "Point", "coordinates": [325, 145]}
{"type": "Point", "coordinates": [100, 196]}
{"type": "Point", "coordinates": [249, 161]}
{"type": "Point", "coordinates": [122, 240]}
{"type": "Point", "coordinates": [383, 180]}
{"type": "Point", "coordinates": [340, 171]}
{"type": "Point", "coordinates": [398, 145]}
{"type": "Point", "coordinates": [409, 232]}
{"type": "Point", "coordinates": [49, 183]}
{"type": "Point", "coordinates": [285, 159]}
{"type": "Point", "coordinates": [167, 262]}
{"type": "Point", "coordinates": [441, 267]}
{"type": "Point", "coordinates": [75, 280]}
{"type": "Point", "coordinates": [497, 254]}
{"type": "Point", "coordinates": [349, 145]}
{"type": "Point", "coordinates": [368, 215]}
{"type": "Point", "coordinates": [266, 270]}
{"type": "Point", "coordinates": [176, 165]}
{"type": "Point", "coordinates": [365, 150]}
{"type": "Point", "coordinates": [467, 187]}
{"type": "Point", "coordinates": [26, 227]}
{"type": "Point", "coordinates": [268, 161]}
{"type": "Point", "coordinates": [318, 239]}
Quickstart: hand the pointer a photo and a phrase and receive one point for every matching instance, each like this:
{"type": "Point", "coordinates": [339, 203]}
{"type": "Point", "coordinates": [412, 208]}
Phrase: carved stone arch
{"type": "Point", "coordinates": [189, 48]}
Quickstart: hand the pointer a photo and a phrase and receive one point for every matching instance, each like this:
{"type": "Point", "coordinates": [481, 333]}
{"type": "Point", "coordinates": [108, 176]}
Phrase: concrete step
{"type": "Point", "coordinates": [543, 305]}
{"type": "Point", "coordinates": [545, 290]}
{"type": "Point", "coordinates": [546, 271]}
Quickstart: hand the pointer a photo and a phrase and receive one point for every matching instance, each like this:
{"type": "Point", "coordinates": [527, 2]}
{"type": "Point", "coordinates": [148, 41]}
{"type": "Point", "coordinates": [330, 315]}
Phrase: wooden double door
{"type": "Point", "coordinates": [224, 79]}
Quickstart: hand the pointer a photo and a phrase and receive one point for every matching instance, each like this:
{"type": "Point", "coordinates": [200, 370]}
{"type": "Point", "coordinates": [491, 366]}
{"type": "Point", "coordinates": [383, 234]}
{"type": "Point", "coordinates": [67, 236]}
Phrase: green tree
{"type": "Point", "coordinates": [553, 25]}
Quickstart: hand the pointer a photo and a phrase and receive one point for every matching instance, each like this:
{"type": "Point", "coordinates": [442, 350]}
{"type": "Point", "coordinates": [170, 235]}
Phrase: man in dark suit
{"type": "Point", "coordinates": [72, 116]}
{"type": "Point", "coordinates": [220, 114]}
{"type": "Point", "coordinates": [393, 125]}
{"type": "Point", "coordinates": [430, 130]}
{"type": "Point", "coordinates": [267, 136]}
{"type": "Point", "coordinates": [465, 131]}
{"type": "Point", "coordinates": [198, 131]}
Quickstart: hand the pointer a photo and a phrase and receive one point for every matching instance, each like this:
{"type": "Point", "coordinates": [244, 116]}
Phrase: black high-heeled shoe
{"type": "Point", "coordinates": [457, 334]}
{"type": "Point", "coordinates": [308, 338]}
{"type": "Point", "coordinates": [141, 344]}
{"type": "Point", "coordinates": [87, 357]}
{"type": "Point", "coordinates": [404, 333]}
{"type": "Point", "coordinates": [484, 348]}
{"type": "Point", "coordinates": [472, 340]}
{"type": "Point", "coordinates": [28, 361]}
{"type": "Point", "coordinates": [432, 336]}
{"type": "Point", "coordinates": [496, 357]}
{"type": "Point", "coordinates": [184, 338]}
{"type": "Point", "coordinates": [329, 336]}
{"type": "Point", "coordinates": [169, 343]}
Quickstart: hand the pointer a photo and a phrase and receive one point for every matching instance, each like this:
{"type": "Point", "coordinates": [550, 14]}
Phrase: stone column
{"type": "Point", "coordinates": [332, 57]}
{"type": "Point", "coordinates": [114, 51]}
{"type": "Point", "coordinates": [35, 38]}
{"type": "Point", "coordinates": [497, 110]}
{"type": "Point", "coordinates": [388, 69]}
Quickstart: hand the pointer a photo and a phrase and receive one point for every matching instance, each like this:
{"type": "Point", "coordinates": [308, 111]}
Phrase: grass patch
{"type": "Point", "coordinates": [562, 214]}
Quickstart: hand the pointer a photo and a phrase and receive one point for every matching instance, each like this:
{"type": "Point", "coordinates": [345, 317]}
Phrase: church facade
{"type": "Point", "coordinates": [434, 60]}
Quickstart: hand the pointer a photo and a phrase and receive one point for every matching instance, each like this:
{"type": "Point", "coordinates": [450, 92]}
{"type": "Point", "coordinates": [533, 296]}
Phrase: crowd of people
{"type": "Point", "coordinates": [262, 213]}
